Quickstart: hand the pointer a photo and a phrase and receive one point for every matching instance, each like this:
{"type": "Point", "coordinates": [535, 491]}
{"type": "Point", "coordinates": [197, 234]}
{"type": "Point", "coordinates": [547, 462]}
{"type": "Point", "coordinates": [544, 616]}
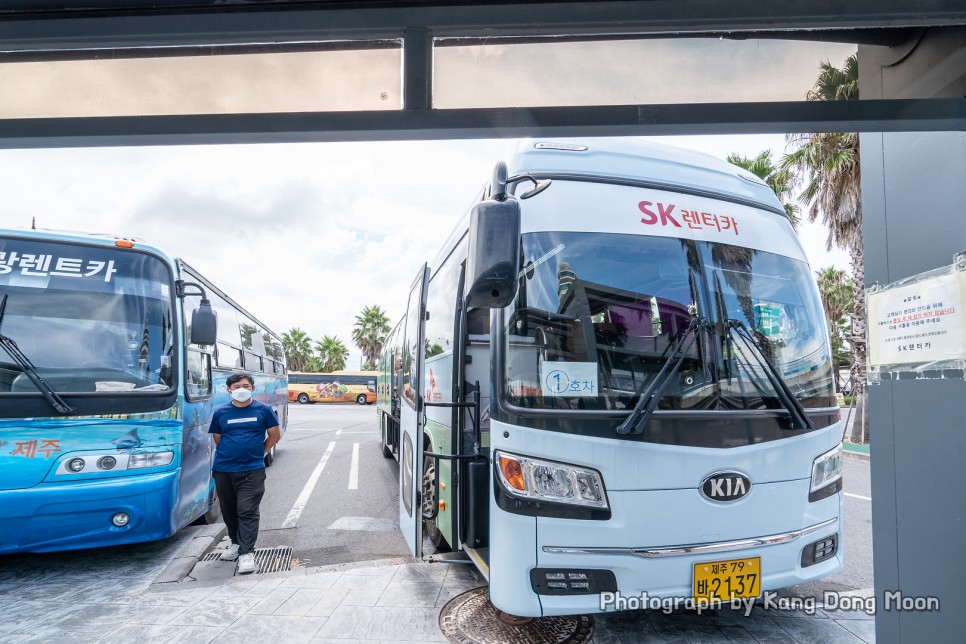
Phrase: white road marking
{"type": "Point", "coordinates": [858, 496]}
{"type": "Point", "coordinates": [354, 468]}
{"type": "Point", "coordinates": [338, 432]}
{"type": "Point", "coordinates": [368, 524]}
{"type": "Point", "coordinates": [330, 429]}
{"type": "Point", "coordinates": [296, 511]}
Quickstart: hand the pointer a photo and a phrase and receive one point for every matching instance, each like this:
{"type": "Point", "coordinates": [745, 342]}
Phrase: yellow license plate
{"type": "Point", "coordinates": [725, 580]}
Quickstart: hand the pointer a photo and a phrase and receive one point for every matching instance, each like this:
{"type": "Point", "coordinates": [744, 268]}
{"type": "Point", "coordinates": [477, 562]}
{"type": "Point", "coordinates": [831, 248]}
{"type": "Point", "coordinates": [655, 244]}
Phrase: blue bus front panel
{"type": "Point", "coordinates": [46, 506]}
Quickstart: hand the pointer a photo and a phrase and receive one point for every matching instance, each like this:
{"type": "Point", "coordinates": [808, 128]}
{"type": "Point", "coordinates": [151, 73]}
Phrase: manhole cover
{"type": "Point", "coordinates": [470, 618]}
{"type": "Point", "coordinates": [266, 559]}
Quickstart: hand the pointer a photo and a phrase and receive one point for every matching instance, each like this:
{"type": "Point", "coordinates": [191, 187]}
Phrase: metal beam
{"type": "Point", "coordinates": [417, 69]}
{"type": "Point", "coordinates": [260, 23]}
{"type": "Point", "coordinates": [601, 120]}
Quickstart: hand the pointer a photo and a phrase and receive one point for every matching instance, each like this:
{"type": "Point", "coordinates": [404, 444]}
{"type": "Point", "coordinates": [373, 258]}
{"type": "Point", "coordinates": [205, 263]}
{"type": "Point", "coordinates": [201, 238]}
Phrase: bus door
{"type": "Point", "coordinates": [411, 416]}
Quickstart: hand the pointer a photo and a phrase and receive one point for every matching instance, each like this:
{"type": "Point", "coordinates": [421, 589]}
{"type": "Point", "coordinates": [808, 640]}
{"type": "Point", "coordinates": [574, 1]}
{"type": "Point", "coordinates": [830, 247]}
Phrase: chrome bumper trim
{"type": "Point", "coordinates": [695, 548]}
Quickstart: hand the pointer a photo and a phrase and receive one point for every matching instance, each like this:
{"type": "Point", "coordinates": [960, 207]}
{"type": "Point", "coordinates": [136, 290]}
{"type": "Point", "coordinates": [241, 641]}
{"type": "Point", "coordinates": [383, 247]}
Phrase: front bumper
{"type": "Point", "coordinates": [69, 516]}
{"type": "Point", "coordinates": [654, 538]}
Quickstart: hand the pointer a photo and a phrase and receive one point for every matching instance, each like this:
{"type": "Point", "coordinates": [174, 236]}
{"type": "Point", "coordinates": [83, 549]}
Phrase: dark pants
{"type": "Point", "coordinates": [240, 494]}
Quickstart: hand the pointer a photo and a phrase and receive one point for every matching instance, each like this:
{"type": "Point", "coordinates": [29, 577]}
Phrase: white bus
{"type": "Point", "coordinates": [616, 377]}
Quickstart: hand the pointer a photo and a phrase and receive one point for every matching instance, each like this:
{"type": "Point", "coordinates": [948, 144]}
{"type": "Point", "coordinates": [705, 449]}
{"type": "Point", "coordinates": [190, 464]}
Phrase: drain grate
{"type": "Point", "coordinates": [471, 618]}
{"type": "Point", "coordinates": [266, 559]}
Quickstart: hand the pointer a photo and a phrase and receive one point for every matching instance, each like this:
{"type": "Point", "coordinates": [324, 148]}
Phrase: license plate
{"type": "Point", "coordinates": [725, 580]}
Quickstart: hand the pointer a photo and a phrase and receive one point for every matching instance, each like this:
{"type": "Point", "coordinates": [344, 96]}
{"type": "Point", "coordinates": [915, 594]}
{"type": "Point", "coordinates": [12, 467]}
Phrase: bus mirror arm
{"type": "Point", "coordinates": [204, 322]}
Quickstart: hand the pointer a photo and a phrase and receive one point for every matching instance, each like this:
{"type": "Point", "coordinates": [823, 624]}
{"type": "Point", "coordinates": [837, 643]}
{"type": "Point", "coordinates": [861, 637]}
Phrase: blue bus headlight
{"type": "Point", "coordinates": [540, 480]}
{"type": "Point", "coordinates": [826, 474]}
{"type": "Point", "coordinates": [150, 459]}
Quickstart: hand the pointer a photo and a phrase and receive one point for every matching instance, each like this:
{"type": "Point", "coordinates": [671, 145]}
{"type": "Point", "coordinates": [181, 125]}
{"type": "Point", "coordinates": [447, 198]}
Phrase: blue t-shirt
{"type": "Point", "coordinates": [242, 429]}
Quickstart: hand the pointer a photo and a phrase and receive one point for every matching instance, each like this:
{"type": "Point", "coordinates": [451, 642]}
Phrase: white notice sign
{"type": "Point", "coordinates": [568, 378]}
{"type": "Point", "coordinates": [918, 324]}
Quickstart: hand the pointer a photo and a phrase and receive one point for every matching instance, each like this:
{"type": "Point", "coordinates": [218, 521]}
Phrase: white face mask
{"type": "Point", "coordinates": [241, 394]}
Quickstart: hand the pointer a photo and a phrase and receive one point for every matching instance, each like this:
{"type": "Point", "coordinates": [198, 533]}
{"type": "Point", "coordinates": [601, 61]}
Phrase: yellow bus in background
{"type": "Point", "coordinates": [335, 386]}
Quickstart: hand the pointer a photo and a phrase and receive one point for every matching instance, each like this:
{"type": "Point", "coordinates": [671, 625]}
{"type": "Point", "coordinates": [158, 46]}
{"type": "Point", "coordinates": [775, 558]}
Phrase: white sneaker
{"type": "Point", "coordinates": [231, 554]}
{"type": "Point", "coordinates": [246, 564]}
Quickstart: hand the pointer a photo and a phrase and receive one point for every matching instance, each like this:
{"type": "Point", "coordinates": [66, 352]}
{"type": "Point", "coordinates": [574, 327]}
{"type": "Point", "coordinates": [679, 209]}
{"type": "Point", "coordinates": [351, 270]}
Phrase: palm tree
{"type": "Point", "coordinates": [314, 365]}
{"type": "Point", "coordinates": [837, 293]}
{"type": "Point", "coordinates": [781, 179]}
{"type": "Point", "coordinates": [830, 163]}
{"type": "Point", "coordinates": [298, 349]}
{"type": "Point", "coordinates": [369, 332]}
{"type": "Point", "coordinates": [332, 353]}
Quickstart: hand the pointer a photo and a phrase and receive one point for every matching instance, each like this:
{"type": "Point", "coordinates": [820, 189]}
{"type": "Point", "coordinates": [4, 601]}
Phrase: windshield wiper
{"type": "Point", "coordinates": [800, 419]}
{"type": "Point", "coordinates": [635, 422]}
{"type": "Point", "coordinates": [29, 369]}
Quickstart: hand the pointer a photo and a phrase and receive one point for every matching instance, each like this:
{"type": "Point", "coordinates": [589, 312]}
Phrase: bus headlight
{"type": "Point", "coordinates": [826, 474]}
{"type": "Point", "coordinates": [150, 459]}
{"type": "Point", "coordinates": [541, 480]}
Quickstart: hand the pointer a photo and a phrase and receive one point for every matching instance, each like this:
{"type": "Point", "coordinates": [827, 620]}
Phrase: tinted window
{"type": "Point", "coordinates": [228, 357]}
{"type": "Point", "coordinates": [227, 321]}
{"type": "Point", "coordinates": [441, 303]}
{"type": "Point", "coordinates": [411, 342]}
{"type": "Point", "coordinates": [198, 370]}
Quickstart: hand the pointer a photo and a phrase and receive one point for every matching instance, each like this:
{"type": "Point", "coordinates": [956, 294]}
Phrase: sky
{"type": "Point", "coordinates": [301, 235]}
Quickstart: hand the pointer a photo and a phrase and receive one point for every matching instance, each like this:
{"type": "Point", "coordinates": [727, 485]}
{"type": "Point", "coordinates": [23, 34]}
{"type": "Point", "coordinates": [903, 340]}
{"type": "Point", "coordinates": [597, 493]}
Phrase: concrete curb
{"type": "Point", "coordinates": [855, 456]}
{"type": "Point", "coordinates": [204, 541]}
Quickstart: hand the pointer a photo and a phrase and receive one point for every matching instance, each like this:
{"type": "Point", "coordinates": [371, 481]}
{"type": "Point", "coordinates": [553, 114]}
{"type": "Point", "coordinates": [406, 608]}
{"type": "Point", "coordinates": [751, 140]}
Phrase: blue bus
{"type": "Point", "coordinates": [106, 391]}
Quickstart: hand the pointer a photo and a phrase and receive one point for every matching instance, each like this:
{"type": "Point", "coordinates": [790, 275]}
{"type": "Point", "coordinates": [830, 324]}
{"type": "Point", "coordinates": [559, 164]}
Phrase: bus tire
{"type": "Point", "coordinates": [362, 400]}
{"type": "Point", "coordinates": [270, 457]}
{"type": "Point", "coordinates": [429, 494]}
{"type": "Point", "coordinates": [303, 399]}
{"type": "Point", "coordinates": [386, 450]}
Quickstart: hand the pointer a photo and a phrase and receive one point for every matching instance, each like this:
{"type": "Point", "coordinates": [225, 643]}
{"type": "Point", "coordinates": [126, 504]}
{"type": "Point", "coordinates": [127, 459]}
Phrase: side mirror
{"type": "Point", "coordinates": [204, 324]}
{"type": "Point", "coordinates": [493, 259]}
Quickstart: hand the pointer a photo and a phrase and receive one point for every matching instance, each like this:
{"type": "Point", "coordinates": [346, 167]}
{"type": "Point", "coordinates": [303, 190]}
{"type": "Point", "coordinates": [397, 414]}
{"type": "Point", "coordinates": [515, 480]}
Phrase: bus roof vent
{"type": "Point", "coordinates": [569, 147]}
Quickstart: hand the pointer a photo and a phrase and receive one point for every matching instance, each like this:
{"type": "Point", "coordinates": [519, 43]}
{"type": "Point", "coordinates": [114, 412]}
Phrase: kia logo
{"type": "Point", "coordinates": [725, 486]}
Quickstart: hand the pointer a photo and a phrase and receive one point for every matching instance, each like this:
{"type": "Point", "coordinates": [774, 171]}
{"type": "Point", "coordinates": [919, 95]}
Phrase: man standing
{"type": "Point", "coordinates": [239, 430]}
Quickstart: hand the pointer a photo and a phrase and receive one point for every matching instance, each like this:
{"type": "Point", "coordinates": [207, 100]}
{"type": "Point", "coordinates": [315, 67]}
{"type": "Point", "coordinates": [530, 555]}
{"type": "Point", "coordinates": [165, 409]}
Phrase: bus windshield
{"type": "Point", "coordinates": [596, 315]}
{"type": "Point", "coordinates": [89, 318]}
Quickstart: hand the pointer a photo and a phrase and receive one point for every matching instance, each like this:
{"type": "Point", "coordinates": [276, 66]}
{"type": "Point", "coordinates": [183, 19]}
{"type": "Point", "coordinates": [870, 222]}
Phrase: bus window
{"type": "Point", "coordinates": [227, 321]}
{"type": "Point", "coordinates": [409, 343]}
{"type": "Point", "coordinates": [441, 303]}
{"type": "Point", "coordinates": [252, 362]}
{"type": "Point", "coordinates": [228, 357]}
{"type": "Point", "coordinates": [198, 371]}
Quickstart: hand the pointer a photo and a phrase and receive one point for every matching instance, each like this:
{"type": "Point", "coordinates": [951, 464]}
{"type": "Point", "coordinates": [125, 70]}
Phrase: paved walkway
{"type": "Point", "coordinates": [110, 596]}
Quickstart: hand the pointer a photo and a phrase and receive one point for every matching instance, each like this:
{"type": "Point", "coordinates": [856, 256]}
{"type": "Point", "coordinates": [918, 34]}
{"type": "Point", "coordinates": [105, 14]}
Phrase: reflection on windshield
{"type": "Point", "coordinates": [776, 299]}
{"type": "Point", "coordinates": [109, 332]}
{"type": "Point", "coordinates": [595, 316]}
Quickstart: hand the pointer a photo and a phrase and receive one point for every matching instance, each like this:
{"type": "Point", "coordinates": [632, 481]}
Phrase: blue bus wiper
{"type": "Point", "coordinates": [635, 422]}
{"type": "Point", "coordinates": [800, 419]}
{"type": "Point", "coordinates": [29, 369]}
